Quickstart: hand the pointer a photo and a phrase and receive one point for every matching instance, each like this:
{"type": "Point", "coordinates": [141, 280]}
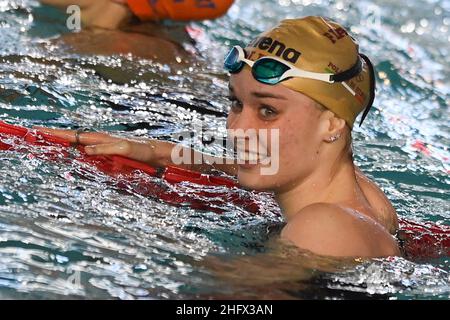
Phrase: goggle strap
{"type": "Point", "coordinates": [348, 74]}
{"type": "Point", "coordinates": [372, 87]}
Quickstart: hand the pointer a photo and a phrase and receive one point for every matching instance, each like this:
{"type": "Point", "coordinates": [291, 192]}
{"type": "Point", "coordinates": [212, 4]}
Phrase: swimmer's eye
{"type": "Point", "coordinates": [267, 112]}
{"type": "Point", "coordinates": [236, 105]}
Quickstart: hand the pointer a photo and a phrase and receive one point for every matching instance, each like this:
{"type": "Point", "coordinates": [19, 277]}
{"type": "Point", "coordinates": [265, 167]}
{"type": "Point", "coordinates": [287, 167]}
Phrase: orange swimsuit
{"type": "Point", "coordinates": [180, 10]}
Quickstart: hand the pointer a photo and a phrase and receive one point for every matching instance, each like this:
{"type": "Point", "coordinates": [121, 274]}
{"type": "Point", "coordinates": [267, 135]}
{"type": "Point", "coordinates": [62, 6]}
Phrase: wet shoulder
{"type": "Point", "coordinates": [331, 230]}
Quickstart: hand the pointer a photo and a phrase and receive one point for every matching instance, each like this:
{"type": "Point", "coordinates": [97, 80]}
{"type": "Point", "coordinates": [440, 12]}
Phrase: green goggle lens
{"type": "Point", "coordinates": [269, 71]}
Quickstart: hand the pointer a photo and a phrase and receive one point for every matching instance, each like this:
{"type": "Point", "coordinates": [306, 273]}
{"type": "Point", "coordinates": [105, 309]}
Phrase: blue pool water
{"type": "Point", "coordinates": [66, 236]}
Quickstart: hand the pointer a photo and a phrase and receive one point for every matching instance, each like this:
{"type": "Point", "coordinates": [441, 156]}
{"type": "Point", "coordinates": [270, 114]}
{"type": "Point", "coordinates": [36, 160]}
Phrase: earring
{"type": "Point", "coordinates": [334, 138]}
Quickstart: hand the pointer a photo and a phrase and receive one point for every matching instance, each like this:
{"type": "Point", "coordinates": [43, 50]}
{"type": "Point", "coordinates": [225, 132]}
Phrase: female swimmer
{"type": "Point", "coordinates": [305, 79]}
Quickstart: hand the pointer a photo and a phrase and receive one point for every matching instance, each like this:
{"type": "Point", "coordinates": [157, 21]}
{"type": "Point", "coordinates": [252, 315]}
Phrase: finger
{"type": "Point", "coordinates": [107, 149]}
{"type": "Point", "coordinates": [61, 133]}
{"type": "Point", "coordinates": [85, 138]}
{"type": "Point", "coordinates": [133, 150]}
{"type": "Point", "coordinates": [93, 138]}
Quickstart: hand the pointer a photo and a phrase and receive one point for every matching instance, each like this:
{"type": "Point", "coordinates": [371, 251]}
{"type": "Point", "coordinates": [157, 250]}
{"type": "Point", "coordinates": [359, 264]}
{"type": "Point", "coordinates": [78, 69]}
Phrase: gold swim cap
{"type": "Point", "coordinates": [319, 45]}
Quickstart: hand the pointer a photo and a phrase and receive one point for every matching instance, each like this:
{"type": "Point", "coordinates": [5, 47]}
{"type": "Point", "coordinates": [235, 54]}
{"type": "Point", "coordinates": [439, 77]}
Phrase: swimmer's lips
{"type": "Point", "coordinates": [249, 159]}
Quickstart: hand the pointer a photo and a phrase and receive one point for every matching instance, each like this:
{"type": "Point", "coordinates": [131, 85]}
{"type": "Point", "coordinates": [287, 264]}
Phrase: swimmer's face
{"type": "Point", "coordinates": [258, 106]}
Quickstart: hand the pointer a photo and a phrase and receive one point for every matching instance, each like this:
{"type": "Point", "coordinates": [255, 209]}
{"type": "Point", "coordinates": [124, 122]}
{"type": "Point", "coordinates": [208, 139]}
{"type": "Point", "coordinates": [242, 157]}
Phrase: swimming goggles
{"type": "Point", "coordinates": [273, 70]}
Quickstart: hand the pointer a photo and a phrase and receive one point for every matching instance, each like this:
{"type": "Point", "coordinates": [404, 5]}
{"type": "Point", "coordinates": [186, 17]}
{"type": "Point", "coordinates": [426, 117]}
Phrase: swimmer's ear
{"type": "Point", "coordinates": [330, 125]}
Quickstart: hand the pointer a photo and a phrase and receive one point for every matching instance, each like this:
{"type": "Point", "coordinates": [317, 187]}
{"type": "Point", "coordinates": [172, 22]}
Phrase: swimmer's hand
{"type": "Point", "coordinates": [106, 14]}
{"type": "Point", "coordinates": [155, 153]}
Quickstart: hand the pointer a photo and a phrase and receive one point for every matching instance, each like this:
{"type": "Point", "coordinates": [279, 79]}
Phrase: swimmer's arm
{"type": "Point", "coordinates": [153, 152]}
{"type": "Point", "coordinates": [107, 14]}
{"type": "Point", "coordinates": [329, 230]}
{"type": "Point", "coordinates": [158, 154]}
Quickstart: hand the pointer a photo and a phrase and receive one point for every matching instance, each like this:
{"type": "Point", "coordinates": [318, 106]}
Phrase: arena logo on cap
{"type": "Point", "coordinates": [282, 51]}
